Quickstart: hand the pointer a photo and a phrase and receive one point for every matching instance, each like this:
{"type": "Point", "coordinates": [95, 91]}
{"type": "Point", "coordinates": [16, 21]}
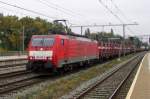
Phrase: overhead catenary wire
{"type": "Point", "coordinates": [58, 9]}
{"type": "Point", "coordinates": [123, 24]}
{"type": "Point", "coordinates": [115, 15]}
{"type": "Point", "coordinates": [10, 10]}
{"type": "Point", "coordinates": [73, 15]}
{"type": "Point", "coordinates": [28, 10]}
{"type": "Point", "coordinates": [62, 8]}
{"type": "Point", "coordinates": [121, 12]}
{"type": "Point", "coordinates": [68, 10]}
{"type": "Point", "coordinates": [35, 12]}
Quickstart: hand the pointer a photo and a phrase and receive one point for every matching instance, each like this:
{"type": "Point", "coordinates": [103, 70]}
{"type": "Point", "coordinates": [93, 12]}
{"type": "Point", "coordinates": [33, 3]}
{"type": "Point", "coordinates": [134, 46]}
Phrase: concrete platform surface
{"type": "Point", "coordinates": [140, 88]}
{"type": "Point", "coordinates": [2, 58]}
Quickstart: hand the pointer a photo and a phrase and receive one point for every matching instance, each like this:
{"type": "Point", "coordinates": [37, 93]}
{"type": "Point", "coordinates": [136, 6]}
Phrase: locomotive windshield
{"type": "Point", "coordinates": [42, 41]}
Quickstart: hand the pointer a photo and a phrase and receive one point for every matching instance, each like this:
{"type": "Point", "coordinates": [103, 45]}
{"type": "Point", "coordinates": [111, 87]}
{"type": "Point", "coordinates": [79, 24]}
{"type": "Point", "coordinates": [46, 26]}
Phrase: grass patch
{"type": "Point", "coordinates": [64, 86]}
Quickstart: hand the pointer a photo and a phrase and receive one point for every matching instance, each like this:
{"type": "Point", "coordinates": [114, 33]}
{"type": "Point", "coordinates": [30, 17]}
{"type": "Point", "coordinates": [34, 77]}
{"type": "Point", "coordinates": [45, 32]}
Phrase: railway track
{"type": "Point", "coordinates": [125, 80]}
{"type": "Point", "coordinates": [16, 80]}
{"type": "Point", "coordinates": [111, 82]}
{"type": "Point", "coordinates": [11, 74]}
{"type": "Point", "coordinates": [122, 92]}
{"type": "Point", "coordinates": [12, 81]}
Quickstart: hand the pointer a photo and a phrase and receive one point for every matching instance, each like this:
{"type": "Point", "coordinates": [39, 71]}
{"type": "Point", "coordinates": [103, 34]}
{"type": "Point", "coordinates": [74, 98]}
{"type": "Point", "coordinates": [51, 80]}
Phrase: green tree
{"type": "Point", "coordinates": [11, 28]}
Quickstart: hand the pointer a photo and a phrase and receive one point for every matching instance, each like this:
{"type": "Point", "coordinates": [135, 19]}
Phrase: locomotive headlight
{"type": "Point", "coordinates": [41, 49]}
{"type": "Point", "coordinates": [31, 57]}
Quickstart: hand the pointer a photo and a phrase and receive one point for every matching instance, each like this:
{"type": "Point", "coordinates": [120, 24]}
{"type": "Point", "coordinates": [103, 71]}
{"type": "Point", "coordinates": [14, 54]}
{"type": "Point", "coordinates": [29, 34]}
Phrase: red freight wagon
{"type": "Point", "coordinates": [56, 51]}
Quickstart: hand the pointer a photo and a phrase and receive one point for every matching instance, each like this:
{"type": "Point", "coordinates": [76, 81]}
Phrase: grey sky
{"type": "Point", "coordinates": [89, 12]}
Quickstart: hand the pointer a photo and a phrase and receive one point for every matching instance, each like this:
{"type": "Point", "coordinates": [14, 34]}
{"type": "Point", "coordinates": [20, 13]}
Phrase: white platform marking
{"type": "Point", "coordinates": [148, 61]}
{"type": "Point", "coordinates": [135, 79]}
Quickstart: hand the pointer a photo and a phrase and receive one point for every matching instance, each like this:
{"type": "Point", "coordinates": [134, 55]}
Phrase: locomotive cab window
{"type": "Point", "coordinates": [42, 41]}
{"type": "Point", "coordinates": [62, 41]}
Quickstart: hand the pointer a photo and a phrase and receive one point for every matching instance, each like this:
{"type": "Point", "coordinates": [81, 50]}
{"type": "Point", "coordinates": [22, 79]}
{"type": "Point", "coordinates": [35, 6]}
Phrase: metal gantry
{"type": "Point", "coordinates": [108, 25]}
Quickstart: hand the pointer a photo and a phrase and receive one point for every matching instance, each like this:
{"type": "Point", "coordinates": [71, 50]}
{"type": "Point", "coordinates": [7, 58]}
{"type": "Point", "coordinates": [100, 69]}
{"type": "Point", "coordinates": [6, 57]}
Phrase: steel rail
{"type": "Point", "coordinates": [90, 88]}
{"type": "Point", "coordinates": [122, 82]}
{"type": "Point", "coordinates": [11, 74]}
{"type": "Point", "coordinates": [18, 84]}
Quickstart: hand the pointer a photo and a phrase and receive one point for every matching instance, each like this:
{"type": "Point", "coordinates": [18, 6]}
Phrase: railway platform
{"type": "Point", "coordinates": [140, 88]}
{"type": "Point", "coordinates": [3, 58]}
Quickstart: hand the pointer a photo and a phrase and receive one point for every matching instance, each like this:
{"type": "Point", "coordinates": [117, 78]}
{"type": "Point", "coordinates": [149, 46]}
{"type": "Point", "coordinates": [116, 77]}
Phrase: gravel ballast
{"type": "Point", "coordinates": [54, 89]}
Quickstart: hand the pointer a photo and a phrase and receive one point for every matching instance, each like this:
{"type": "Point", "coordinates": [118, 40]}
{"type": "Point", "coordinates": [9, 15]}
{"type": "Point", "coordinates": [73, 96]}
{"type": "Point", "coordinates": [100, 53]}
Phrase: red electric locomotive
{"type": "Point", "coordinates": [58, 51]}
